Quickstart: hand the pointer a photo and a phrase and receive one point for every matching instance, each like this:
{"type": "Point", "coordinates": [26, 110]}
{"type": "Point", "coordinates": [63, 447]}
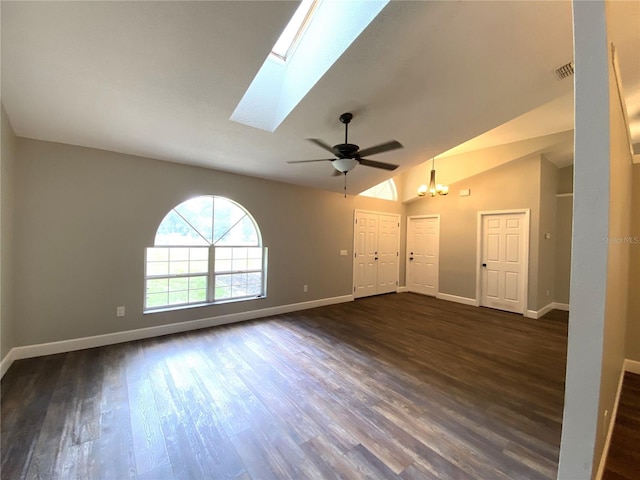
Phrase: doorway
{"type": "Point", "coordinates": [376, 247]}
{"type": "Point", "coordinates": [503, 260]}
{"type": "Point", "coordinates": [423, 245]}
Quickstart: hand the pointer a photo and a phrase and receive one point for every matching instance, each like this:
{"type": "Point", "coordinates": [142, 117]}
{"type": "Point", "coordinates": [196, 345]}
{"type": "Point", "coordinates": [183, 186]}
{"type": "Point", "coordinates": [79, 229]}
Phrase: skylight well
{"type": "Point", "coordinates": [294, 29]}
{"type": "Point", "coordinates": [315, 37]}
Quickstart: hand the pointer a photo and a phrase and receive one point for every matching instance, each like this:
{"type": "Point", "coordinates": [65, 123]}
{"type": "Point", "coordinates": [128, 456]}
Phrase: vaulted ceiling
{"type": "Point", "coordinates": [161, 79]}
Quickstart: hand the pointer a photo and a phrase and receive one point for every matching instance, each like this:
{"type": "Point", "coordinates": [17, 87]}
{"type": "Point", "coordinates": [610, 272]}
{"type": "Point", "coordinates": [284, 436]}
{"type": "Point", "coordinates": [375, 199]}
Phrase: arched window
{"type": "Point", "coordinates": [385, 191]}
{"type": "Point", "coordinates": [207, 249]}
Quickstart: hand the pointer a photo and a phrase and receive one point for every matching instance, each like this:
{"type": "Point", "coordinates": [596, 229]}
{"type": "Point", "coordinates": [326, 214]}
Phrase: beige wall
{"type": "Point", "coordinates": [547, 252]}
{"type": "Point", "coordinates": [617, 293]}
{"type": "Point", "coordinates": [83, 218]}
{"type": "Point", "coordinates": [632, 350]}
{"type": "Point", "coordinates": [7, 168]}
{"type": "Point", "coordinates": [618, 257]}
{"type": "Point", "coordinates": [515, 185]}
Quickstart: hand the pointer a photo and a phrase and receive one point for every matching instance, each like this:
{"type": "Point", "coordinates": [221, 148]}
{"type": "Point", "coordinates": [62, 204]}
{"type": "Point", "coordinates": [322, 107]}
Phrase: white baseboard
{"type": "Point", "coordinates": [7, 361]}
{"type": "Point", "coordinates": [539, 313]}
{"type": "Point", "coordinates": [457, 299]}
{"type": "Point", "coordinates": [612, 422]}
{"type": "Point", "coordinates": [632, 366]}
{"type": "Point", "coordinates": [403, 289]}
{"type": "Point", "coordinates": [535, 314]}
{"type": "Point", "coordinates": [63, 346]}
{"type": "Point", "coordinates": [560, 306]}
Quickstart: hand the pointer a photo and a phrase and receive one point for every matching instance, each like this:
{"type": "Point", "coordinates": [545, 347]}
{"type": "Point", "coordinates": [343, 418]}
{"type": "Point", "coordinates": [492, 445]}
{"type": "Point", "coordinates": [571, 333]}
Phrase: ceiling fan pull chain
{"type": "Point", "coordinates": [345, 184]}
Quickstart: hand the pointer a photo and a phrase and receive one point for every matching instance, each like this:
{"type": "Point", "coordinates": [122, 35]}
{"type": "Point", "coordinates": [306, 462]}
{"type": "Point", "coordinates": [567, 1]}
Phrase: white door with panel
{"type": "Point", "coordinates": [375, 253]}
{"type": "Point", "coordinates": [423, 242]}
{"type": "Point", "coordinates": [504, 259]}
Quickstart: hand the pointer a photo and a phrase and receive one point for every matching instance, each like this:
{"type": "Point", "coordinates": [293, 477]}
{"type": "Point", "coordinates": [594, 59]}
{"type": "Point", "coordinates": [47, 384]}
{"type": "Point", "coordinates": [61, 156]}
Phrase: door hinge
{"type": "Point", "coordinates": [354, 289]}
{"type": "Point", "coordinates": [396, 283]}
{"type": "Point", "coordinates": [397, 254]}
{"type": "Point", "coordinates": [356, 221]}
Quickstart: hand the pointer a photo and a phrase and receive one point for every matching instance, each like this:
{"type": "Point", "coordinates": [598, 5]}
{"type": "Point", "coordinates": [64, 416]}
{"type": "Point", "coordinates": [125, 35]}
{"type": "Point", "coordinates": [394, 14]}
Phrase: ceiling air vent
{"type": "Point", "coordinates": [565, 71]}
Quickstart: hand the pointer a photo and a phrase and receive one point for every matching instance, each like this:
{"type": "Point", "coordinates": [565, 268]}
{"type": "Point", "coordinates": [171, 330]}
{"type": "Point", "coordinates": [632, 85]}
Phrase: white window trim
{"type": "Point", "coordinates": [211, 274]}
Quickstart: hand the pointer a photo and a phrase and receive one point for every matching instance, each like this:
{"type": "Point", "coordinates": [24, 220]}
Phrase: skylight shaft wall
{"type": "Point", "coordinates": [279, 86]}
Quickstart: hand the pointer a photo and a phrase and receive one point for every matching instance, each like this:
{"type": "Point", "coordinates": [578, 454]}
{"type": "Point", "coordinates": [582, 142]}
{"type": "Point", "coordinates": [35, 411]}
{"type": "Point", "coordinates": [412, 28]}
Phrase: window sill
{"type": "Point", "coordinates": [198, 305]}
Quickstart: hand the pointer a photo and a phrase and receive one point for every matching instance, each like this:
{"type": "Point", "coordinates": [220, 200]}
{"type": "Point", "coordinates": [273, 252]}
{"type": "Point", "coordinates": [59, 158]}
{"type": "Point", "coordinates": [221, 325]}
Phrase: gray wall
{"type": "Point", "coordinates": [83, 218]}
{"type": "Point", "coordinates": [564, 217]}
{"type": "Point", "coordinates": [564, 220]}
{"type": "Point", "coordinates": [510, 186]}
{"type": "Point", "coordinates": [565, 179]}
{"type": "Point", "coordinates": [548, 223]}
{"type": "Point", "coordinates": [632, 350]}
{"type": "Point", "coordinates": [7, 168]}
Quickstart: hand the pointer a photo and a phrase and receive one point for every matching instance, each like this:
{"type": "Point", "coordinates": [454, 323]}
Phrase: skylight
{"type": "Point", "coordinates": [294, 29]}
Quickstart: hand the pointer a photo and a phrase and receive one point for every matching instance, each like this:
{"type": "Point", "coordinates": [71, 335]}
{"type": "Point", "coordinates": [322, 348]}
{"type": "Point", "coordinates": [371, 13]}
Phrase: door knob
{"type": "Point", "coordinates": [410, 258]}
{"type": "Point", "coordinates": [484, 264]}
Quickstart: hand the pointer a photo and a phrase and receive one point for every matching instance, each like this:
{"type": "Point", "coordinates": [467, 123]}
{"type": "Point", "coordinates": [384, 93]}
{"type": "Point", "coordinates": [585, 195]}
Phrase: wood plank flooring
{"type": "Point", "coordinates": [398, 386]}
{"type": "Point", "coordinates": [623, 460]}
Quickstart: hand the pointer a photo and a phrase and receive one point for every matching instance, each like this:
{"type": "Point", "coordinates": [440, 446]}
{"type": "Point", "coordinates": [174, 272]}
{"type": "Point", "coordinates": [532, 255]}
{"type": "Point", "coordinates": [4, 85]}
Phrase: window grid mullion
{"type": "Point", "coordinates": [212, 274]}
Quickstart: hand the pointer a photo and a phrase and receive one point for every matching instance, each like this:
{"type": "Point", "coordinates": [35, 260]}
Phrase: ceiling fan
{"type": "Point", "coordinates": [348, 155]}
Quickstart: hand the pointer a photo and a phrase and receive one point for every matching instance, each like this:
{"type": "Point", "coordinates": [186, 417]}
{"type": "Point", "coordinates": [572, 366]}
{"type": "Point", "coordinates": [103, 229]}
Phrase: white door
{"type": "Point", "coordinates": [366, 247]}
{"type": "Point", "coordinates": [375, 246]}
{"type": "Point", "coordinates": [423, 238]}
{"type": "Point", "coordinates": [504, 256]}
{"type": "Point", "coordinates": [387, 253]}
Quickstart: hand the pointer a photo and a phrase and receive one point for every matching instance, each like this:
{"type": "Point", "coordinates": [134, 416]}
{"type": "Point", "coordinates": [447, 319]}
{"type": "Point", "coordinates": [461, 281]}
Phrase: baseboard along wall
{"type": "Point", "coordinates": [62, 346]}
{"type": "Point", "coordinates": [628, 365]}
{"type": "Point", "coordinates": [455, 298]}
{"type": "Point", "coordinates": [546, 309]}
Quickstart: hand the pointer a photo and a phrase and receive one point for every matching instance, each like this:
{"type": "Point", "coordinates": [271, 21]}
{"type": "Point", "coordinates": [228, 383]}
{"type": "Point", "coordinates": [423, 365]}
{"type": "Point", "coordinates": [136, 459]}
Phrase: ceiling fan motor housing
{"type": "Point", "coordinates": [346, 150]}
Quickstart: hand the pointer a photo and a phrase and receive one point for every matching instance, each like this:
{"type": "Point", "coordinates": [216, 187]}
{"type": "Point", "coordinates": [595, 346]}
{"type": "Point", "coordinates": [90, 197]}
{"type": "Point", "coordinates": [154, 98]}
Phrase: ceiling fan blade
{"type": "Point", "coordinates": [308, 161]}
{"type": "Point", "coordinates": [322, 144]}
{"type": "Point", "coordinates": [383, 147]}
{"type": "Point", "coordinates": [374, 164]}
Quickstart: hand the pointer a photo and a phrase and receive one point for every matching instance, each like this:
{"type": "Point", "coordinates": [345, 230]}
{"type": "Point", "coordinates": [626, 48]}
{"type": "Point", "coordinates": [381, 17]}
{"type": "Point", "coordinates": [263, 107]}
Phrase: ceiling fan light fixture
{"type": "Point", "coordinates": [344, 165]}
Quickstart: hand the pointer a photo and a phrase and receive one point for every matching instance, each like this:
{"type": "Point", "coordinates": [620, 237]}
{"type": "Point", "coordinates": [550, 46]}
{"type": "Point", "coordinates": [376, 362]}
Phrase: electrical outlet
{"type": "Point", "coordinates": [120, 312]}
{"type": "Point", "coordinates": [305, 288]}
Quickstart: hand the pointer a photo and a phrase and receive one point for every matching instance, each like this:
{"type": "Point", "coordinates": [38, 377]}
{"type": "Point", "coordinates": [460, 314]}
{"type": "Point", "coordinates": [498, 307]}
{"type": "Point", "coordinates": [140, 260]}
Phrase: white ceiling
{"type": "Point", "coordinates": [161, 79]}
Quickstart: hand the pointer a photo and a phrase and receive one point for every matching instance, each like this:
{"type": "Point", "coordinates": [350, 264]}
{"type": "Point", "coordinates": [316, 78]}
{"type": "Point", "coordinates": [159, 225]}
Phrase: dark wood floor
{"type": "Point", "coordinates": [395, 386]}
{"type": "Point", "coordinates": [623, 461]}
